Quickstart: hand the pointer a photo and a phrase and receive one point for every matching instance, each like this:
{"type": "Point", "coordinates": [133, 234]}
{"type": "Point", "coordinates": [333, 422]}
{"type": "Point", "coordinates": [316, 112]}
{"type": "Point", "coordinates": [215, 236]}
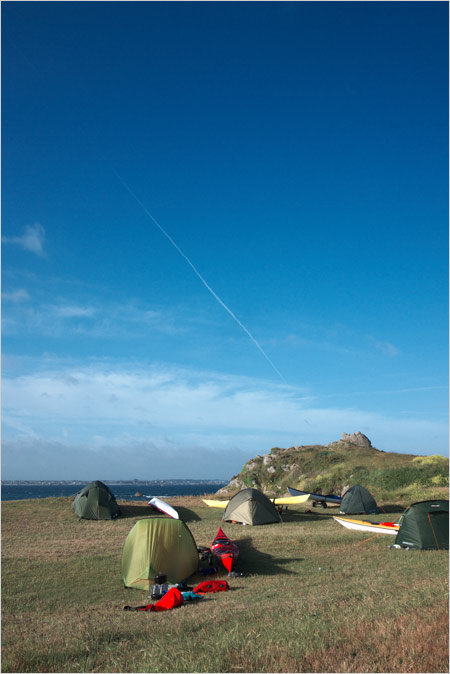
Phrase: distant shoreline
{"type": "Point", "coordinates": [123, 490]}
{"type": "Point", "coordinates": [57, 482]}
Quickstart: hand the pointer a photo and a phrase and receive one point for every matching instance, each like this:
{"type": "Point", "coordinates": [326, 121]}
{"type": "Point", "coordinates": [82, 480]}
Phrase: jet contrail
{"type": "Point", "coordinates": [208, 287]}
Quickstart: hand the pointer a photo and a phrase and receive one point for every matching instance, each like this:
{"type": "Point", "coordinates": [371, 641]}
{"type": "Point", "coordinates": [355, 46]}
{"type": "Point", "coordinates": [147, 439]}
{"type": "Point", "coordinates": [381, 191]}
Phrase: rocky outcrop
{"type": "Point", "coordinates": [235, 484]}
{"type": "Point", "coordinates": [357, 438]}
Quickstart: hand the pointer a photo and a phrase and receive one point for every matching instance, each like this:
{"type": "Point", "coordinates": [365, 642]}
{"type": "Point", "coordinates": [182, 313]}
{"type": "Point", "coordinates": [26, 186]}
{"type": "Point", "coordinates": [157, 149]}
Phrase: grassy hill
{"type": "Point", "coordinates": [335, 467]}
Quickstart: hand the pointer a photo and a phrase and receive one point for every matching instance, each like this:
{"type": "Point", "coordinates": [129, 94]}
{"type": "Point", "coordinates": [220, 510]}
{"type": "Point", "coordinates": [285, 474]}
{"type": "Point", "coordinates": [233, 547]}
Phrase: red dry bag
{"type": "Point", "coordinates": [211, 586]}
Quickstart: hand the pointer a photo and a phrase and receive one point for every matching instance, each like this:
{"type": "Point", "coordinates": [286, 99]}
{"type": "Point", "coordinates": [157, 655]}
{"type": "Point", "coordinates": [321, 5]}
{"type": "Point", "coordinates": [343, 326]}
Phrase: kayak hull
{"type": "Point", "coordinates": [389, 528]}
{"type": "Point", "coordinates": [319, 498]}
{"type": "Point", "coordinates": [225, 550]}
{"type": "Point", "coordinates": [291, 500]}
{"type": "Point", "coordinates": [215, 504]}
{"type": "Point", "coordinates": [163, 507]}
{"type": "Point", "coordinates": [288, 500]}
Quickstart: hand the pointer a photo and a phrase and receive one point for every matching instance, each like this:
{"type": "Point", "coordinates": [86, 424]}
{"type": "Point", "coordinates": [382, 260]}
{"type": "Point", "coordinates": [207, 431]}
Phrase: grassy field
{"type": "Point", "coordinates": [315, 598]}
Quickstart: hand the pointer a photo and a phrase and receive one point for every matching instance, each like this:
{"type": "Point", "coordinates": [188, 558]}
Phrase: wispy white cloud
{"type": "Point", "coordinates": [37, 458]}
{"type": "Point", "coordinates": [317, 341]}
{"type": "Point", "coordinates": [92, 318]}
{"type": "Point", "coordinates": [387, 392]}
{"type": "Point", "coordinates": [20, 295]}
{"type": "Point", "coordinates": [336, 338]}
{"type": "Point", "coordinates": [386, 348]}
{"type": "Point", "coordinates": [32, 239]}
{"type": "Point", "coordinates": [167, 413]}
{"type": "Point", "coordinates": [72, 311]}
{"type": "Point", "coordinates": [172, 398]}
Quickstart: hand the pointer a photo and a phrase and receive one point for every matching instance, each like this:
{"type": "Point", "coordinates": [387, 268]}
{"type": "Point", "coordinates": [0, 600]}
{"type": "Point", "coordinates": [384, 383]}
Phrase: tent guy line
{"type": "Point", "coordinates": [195, 270]}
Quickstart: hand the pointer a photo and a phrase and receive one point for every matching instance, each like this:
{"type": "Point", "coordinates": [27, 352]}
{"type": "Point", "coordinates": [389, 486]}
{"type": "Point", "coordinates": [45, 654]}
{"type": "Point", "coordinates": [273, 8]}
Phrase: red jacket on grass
{"type": "Point", "coordinates": [171, 599]}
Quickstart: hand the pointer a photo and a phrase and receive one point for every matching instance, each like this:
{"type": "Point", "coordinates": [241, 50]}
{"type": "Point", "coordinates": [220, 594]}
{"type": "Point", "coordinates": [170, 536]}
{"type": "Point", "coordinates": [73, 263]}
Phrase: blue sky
{"type": "Point", "coordinates": [224, 228]}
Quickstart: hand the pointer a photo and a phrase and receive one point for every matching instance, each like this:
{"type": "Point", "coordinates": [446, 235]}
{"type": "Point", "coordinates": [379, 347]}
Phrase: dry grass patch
{"type": "Point", "coordinates": [417, 642]}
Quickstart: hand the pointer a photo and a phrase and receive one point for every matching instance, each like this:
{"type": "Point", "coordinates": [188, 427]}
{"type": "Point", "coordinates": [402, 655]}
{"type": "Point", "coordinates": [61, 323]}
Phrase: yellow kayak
{"type": "Point", "coordinates": [291, 500]}
{"type": "Point", "coordinates": [288, 500]}
{"type": "Point", "coordinates": [215, 504]}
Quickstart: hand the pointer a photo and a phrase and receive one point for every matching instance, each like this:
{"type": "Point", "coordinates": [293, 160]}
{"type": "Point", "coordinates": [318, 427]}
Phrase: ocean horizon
{"type": "Point", "coordinates": [17, 490]}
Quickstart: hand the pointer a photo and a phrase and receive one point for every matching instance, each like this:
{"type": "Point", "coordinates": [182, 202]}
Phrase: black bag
{"type": "Point", "coordinates": [159, 590]}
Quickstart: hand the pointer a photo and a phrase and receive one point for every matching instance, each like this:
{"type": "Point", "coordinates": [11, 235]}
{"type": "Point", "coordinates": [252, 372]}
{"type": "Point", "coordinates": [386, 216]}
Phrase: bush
{"type": "Point", "coordinates": [423, 475]}
{"type": "Point", "coordinates": [250, 480]}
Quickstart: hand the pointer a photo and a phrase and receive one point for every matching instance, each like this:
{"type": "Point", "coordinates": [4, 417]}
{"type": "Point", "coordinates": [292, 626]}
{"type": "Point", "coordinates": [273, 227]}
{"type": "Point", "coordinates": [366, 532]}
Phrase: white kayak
{"type": "Point", "coordinates": [163, 507]}
{"type": "Point", "coordinates": [363, 525]}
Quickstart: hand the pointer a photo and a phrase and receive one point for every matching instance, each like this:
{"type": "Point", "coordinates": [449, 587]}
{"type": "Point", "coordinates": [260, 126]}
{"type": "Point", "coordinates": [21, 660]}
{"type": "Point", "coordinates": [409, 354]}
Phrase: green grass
{"type": "Point", "coordinates": [315, 598]}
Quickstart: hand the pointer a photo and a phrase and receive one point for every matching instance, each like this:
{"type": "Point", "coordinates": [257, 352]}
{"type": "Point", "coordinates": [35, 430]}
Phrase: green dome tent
{"type": "Point", "coordinates": [96, 502]}
{"type": "Point", "coordinates": [358, 499]}
{"type": "Point", "coordinates": [424, 526]}
{"type": "Point", "coordinates": [155, 546]}
{"type": "Point", "coordinates": [251, 506]}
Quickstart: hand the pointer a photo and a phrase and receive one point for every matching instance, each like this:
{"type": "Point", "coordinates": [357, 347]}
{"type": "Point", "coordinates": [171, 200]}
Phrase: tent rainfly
{"type": "Point", "coordinates": [357, 500]}
{"type": "Point", "coordinates": [96, 502]}
{"type": "Point", "coordinates": [251, 506]}
{"type": "Point", "coordinates": [156, 546]}
{"type": "Point", "coordinates": [424, 526]}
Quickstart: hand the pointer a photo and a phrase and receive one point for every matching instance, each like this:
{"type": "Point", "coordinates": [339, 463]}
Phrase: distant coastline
{"type": "Point", "coordinates": [128, 490]}
{"type": "Point", "coordinates": [86, 481]}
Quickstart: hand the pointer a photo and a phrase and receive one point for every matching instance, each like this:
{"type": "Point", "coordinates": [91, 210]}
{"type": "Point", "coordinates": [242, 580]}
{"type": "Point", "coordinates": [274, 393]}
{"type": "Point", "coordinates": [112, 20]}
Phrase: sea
{"type": "Point", "coordinates": [125, 491]}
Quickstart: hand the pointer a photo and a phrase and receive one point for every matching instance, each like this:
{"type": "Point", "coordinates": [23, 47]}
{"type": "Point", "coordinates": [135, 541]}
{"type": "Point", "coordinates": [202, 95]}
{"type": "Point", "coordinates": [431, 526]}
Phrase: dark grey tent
{"type": "Point", "coordinates": [251, 506]}
{"type": "Point", "coordinates": [96, 502]}
{"type": "Point", "coordinates": [424, 526]}
{"type": "Point", "coordinates": [358, 499]}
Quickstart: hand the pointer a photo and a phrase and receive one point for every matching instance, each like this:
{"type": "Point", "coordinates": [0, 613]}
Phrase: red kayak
{"type": "Point", "coordinates": [225, 550]}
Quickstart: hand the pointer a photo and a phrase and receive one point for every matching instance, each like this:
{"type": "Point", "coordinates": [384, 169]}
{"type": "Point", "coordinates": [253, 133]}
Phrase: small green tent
{"type": "Point", "coordinates": [424, 526]}
{"type": "Point", "coordinates": [251, 506]}
{"type": "Point", "coordinates": [96, 502]}
{"type": "Point", "coordinates": [155, 546]}
{"type": "Point", "coordinates": [358, 499]}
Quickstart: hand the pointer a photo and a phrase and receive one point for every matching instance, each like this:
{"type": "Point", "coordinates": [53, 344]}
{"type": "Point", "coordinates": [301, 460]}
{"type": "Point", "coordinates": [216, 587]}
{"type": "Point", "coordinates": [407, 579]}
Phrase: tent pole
{"type": "Point", "coordinates": [437, 544]}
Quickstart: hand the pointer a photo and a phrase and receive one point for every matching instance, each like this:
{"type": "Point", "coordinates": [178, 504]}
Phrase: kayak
{"type": "Point", "coordinates": [363, 525]}
{"type": "Point", "coordinates": [215, 504]}
{"type": "Point", "coordinates": [163, 507]}
{"type": "Point", "coordinates": [317, 498]}
{"type": "Point", "coordinates": [291, 500]}
{"type": "Point", "coordinates": [225, 550]}
{"type": "Point", "coordinates": [288, 500]}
